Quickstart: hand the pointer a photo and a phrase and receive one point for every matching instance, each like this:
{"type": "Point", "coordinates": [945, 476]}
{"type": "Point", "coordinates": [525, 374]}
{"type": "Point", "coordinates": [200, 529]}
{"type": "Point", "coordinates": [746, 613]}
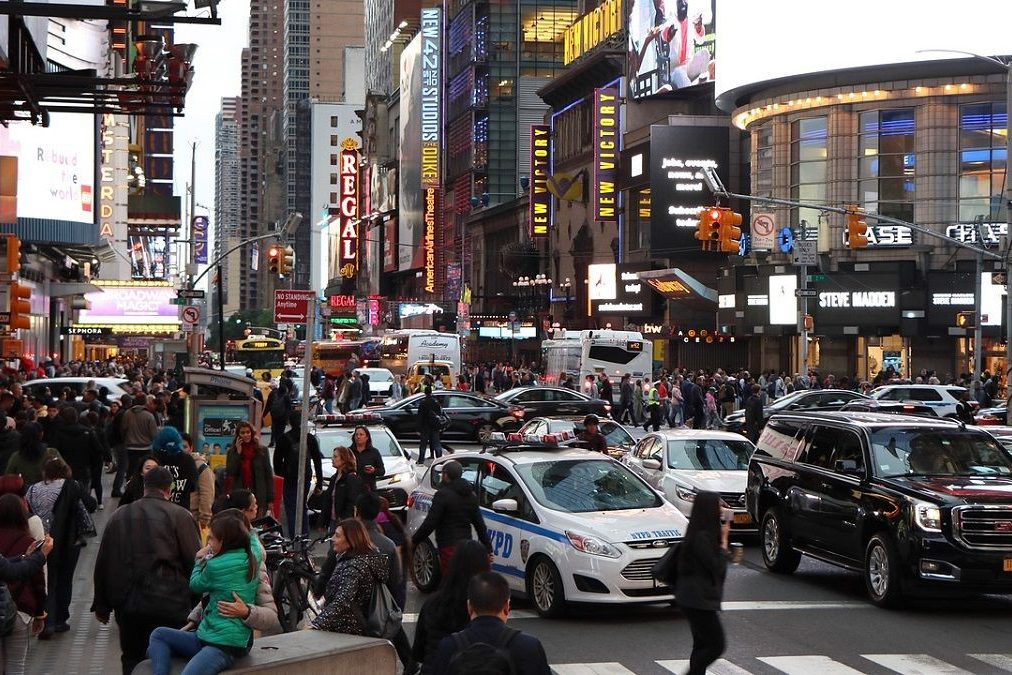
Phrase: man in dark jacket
{"type": "Point", "coordinates": [10, 439]}
{"type": "Point", "coordinates": [625, 399]}
{"type": "Point", "coordinates": [149, 535]}
{"type": "Point", "coordinates": [592, 435]}
{"type": "Point", "coordinates": [354, 392]}
{"type": "Point", "coordinates": [139, 428]}
{"type": "Point", "coordinates": [279, 405]}
{"type": "Point", "coordinates": [755, 418]}
{"type": "Point", "coordinates": [77, 445]}
{"type": "Point", "coordinates": [695, 405]}
{"type": "Point", "coordinates": [453, 513]}
{"type": "Point", "coordinates": [429, 414]}
{"type": "Point", "coordinates": [286, 463]}
{"type": "Point", "coordinates": [168, 450]}
{"type": "Point", "coordinates": [488, 603]}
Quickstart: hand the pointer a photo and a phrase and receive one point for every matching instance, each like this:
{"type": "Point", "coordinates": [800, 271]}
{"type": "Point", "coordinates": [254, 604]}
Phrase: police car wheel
{"type": "Point", "coordinates": [426, 567]}
{"type": "Point", "coordinates": [484, 432]}
{"type": "Point", "coordinates": [544, 588]}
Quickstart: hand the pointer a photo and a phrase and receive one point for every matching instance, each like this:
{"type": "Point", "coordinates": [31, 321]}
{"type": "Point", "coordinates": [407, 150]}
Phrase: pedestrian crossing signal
{"type": "Point", "coordinates": [966, 319]}
{"type": "Point", "coordinates": [719, 228]}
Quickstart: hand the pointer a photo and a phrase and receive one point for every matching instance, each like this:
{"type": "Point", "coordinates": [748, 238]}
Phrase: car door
{"type": "Point", "coordinates": [829, 517]}
{"type": "Point", "coordinates": [533, 401]}
{"type": "Point", "coordinates": [403, 418]}
{"type": "Point", "coordinates": [505, 528]}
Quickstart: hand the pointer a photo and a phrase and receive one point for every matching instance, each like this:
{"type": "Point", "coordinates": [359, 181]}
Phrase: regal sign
{"type": "Point", "coordinates": [348, 210]}
{"type": "Point", "coordinates": [606, 149]}
{"type": "Point", "coordinates": [541, 198]}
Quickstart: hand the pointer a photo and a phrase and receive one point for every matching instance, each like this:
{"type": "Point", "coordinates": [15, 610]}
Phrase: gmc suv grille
{"type": "Point", "coordinates": [639, 570]}
{"type": "Point", "coordinates": [983, 527]}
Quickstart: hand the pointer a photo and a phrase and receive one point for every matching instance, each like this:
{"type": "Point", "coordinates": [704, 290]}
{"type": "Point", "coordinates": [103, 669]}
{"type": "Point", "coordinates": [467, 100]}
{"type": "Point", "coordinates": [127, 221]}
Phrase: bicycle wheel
{"type": "Point", "coordinates": [288, 598]}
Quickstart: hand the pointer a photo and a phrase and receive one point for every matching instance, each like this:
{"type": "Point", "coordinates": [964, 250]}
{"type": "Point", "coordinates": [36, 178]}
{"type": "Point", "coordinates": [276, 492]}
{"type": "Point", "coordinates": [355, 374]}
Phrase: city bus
{"type": "Point", "coordinates": [594, 352]}
{"type": "Point", "coordinates": [261, 353]}
{"type": "Point", "coordinates": [401, 349]}
{"type": "Point", "coordinates": [333, 356]}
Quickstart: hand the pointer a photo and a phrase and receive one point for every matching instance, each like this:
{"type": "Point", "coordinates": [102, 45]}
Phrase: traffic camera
{"type": "Point", "coordinates": [857, 228]}
{"type": "Point", "coordinates": [274, 260]}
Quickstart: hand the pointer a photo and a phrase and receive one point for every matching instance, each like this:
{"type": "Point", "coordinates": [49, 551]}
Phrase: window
{"type": "Point", "coordinates": [559, 395]}
{"type": "Point", "coordinates": [780, 440]}
{"type": "Point", "coordinates": [470, 474]}
{"type": "Point", "coordinates": [611, 354]}
{"type": "Point", "coordinates": [886, 162]}
{"type": "Point", "coordinates": [333, 139]}
{"type": "Point", "coordinates": [333, 179]}
{"type": "Point", "coordinates": [495, 482]}
{"type": "Point", "coordinates": [834, 400]}
{"type": "Point", "coordinates": [333, 160]}
{"type": "Point", "coordinates": [709, 455]}
{"type": "Point", "coordinates": [649, 448]}
{"type": "Point", "coordinates": [925, 395]}
{"type": "Point", "coordinates": [808, 167]}
{"type": "Point", "coordinates": [333, 120]}
{"type": "Point", "coordinates": [586, 485]}
{"type": "Point", "coordinates": [982, 161]}
{"type": "Point", "coordinates": [830, 445]}
{"type": "Point", "coordinates": [333, 197]}
{"type": "Point", "coordinates": [937, 452]}
{"type": "Point", "coordinates": [763, 168]}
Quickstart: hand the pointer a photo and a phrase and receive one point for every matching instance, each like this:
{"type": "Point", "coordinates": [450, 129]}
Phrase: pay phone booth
{"type": "Point", "coordinates": [212, 415]}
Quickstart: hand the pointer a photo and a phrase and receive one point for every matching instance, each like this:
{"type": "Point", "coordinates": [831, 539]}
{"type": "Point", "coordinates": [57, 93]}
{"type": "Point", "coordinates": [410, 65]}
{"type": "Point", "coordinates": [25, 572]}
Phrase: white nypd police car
{"type": "Point", "coordinates": [566, 524]}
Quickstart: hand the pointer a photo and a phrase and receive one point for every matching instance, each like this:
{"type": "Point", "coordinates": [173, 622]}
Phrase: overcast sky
{"type": "Point", "coordinates": [216, 75]}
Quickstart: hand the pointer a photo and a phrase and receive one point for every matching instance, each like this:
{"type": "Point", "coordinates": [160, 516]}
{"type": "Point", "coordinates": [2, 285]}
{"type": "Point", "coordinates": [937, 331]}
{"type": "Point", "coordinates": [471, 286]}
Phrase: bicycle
{"type": "Point", "coordinates": [292, 571]}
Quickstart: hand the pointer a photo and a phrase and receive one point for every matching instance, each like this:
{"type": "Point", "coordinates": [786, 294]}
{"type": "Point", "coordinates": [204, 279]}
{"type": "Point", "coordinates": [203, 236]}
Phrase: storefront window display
{"type": "Point", "coordinates": [808, 166]}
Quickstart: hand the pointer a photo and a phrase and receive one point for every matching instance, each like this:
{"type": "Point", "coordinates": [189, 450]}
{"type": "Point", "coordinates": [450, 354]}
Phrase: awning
{"type": "Point", "coordinates": [70, 288]}
{"type": "Point", "coordinates": [674, 284]}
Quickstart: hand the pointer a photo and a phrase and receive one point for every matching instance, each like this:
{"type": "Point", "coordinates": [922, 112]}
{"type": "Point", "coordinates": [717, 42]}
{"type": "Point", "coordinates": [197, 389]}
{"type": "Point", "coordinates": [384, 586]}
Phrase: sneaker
{"type": "Point", "coordinates": [101, 507]}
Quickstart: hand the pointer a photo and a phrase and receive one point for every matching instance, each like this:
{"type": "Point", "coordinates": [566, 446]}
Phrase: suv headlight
{"type": "Point", "coordinates": [685, 494]}
{"type": "Point", "coordinates": [928, 517]}
{"type": "Point", "coordinates": [592, 545]}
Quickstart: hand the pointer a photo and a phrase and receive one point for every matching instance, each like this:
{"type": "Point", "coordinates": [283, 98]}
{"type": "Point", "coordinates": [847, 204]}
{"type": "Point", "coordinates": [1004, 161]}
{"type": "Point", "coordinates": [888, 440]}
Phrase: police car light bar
{"type": "Point", "coordinates": [498, 439]}
{"type": "Point", "coordinates": [349, 419]}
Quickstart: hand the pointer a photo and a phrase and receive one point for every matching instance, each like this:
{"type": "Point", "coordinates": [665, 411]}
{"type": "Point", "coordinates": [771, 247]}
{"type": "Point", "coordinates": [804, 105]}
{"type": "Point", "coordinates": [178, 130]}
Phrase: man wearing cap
{"type": "Point", "coordinates": [592, 435]}
{"type": "Point", "coordinates": [168, 450]}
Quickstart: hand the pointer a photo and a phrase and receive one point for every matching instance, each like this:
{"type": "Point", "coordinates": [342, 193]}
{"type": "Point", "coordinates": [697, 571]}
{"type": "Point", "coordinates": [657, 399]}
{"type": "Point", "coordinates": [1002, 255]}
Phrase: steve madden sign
{"type": "Point", "coordinates": [857, 299]}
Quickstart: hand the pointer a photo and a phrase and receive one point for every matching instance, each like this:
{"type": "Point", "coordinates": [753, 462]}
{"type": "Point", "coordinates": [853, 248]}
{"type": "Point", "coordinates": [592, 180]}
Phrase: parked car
{"type": "Point", "coordinates": [941, 398]}
{"type": "Point", "coordinates": [566, 525]}
{"type": "Point", "coordinates": [471, 415]}
{"type": "Point", "coordinates": [912, 503]}
{"type": "Point", "coordinates": [683, 462]}
{"type": "Point", "coordinates": [381, 381]}
{"type": "Point", "coordinates": [115, 386]}
{"type": "Point", "coordinates": [620, 441]}
{"type": "Point", "coordinates": [992, 416]}
{"type": "Point", "coordinates": [897, 407]}
{"type": "Point", "coordinates": [806, 399]}
{"type": "Point", "coordinates": [399, 478]}
{"type": "Point", "coordinates": [554, 401]}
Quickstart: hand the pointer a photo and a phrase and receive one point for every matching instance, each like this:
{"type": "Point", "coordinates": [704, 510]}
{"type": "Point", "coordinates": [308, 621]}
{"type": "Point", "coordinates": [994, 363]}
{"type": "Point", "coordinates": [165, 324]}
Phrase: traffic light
{"type": "Point", "coordinates": [20, 308]}
{"type": "Point", "coordinates": [857, 229]}
{"type": "Point", "coordinates": [286, 261]}
{"type": "Point", "coordinates": [274, 260]}
{"type": "Point", "coordinates": [13, 255]}
{"type": "Point", "coordinates": [966, 319]}
{"type": "Point", "coordinates": [719, 229]}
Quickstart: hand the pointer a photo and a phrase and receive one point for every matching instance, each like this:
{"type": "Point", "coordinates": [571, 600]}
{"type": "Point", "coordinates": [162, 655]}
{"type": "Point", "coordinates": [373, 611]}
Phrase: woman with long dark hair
{"type": "Point", "coordinates": [445, 612]}
{"type": "Point", "coordinates": [702, 566]}
{"type": "Point", "coordinates": [359, 568]}
{"type": "Point", "coordinates": [31, 455]}
{"type": "Point", "coordinates": [29, 596]}
{"type": "Point", "coordinates": [248, 466]}
{"type": "Point", "coordinates": [367, 457]}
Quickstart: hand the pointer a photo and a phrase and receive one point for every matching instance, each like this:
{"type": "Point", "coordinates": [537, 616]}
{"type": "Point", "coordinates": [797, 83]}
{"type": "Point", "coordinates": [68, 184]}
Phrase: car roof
{"type": "Point", "coordinates": [520, 454]}
{"type": "Point", "coordinates": [685, 434]}
{"type": "Point", "coordinates": [539, 387]}
{"type": "Point", "coordinates": [874, 419]}
{"type": "Point", "coordinates": [97, 380]}
{"type": "Point", "coordinates": [922, 386]}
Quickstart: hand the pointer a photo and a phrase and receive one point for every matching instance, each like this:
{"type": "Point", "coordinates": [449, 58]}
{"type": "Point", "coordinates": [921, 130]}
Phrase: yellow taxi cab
{"type": "Point", "coordinates": [445, 371]}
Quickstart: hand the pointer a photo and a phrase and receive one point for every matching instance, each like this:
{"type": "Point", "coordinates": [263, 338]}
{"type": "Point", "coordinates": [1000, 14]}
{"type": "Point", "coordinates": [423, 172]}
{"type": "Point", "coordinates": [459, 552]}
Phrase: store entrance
{"type": "Point", "coordinates": [882, 354]}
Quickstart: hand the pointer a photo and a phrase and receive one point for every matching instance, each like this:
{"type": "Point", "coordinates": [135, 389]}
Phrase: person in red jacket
{"type": "Point", "coordinates": [29, 595]}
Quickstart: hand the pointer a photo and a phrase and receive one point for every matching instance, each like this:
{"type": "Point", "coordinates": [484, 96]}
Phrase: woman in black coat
{"type": "Point", "coordinates": [346, 486]}
{"type": "Point", "coordinates": [702, 566]}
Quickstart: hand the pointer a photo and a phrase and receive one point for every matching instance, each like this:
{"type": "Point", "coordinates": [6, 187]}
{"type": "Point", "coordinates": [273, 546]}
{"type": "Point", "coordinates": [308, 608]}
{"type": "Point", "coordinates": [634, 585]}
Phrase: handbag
{"type": "Point", "coordinates": [382, 617]}
{"type": "Point", "coordinates": [665, 570]}
{"type": "Point", "coordinates": [444, 421]}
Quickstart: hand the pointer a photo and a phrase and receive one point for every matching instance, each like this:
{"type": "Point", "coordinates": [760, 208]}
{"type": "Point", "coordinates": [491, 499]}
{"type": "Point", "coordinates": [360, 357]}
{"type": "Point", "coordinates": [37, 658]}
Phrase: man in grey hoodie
{"type": "Point", "coordinates": [139, 429]}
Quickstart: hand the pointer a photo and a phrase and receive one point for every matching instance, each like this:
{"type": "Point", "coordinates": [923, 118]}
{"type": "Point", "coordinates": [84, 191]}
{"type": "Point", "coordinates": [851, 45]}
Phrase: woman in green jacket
{"type": "Point", "coordinates": [226, 569]}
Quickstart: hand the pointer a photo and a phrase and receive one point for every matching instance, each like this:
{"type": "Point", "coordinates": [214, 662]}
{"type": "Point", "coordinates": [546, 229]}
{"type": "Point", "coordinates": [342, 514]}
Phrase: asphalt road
{"type": "Point", "coordinates": [814, 622]}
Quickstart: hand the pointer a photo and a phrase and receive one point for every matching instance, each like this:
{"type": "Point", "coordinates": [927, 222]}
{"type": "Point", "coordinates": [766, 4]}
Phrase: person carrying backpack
{"type": "Point", "coordinates": [488, 646]}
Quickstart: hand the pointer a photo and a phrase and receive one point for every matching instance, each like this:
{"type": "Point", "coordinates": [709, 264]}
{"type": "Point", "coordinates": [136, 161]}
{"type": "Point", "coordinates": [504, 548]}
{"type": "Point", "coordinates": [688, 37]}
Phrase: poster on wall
{"type": "Point", "coordinates": [390, 245]}
{"type": "Point", "coordinates": [606, 151]}
{"type": "Point", "coordinates": [199, 229]}
{"type": "Point", "coordinates": [410, 231]}
{"type": "Point", "coordinates": [671, 45]}
{"type": "Point", "coordinates": [678, 191]}
{"type": "Point", "coordinates": [216, 428]}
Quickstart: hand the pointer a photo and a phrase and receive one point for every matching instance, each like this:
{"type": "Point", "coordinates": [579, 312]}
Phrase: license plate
{"type": "Point", "coordinates": [1007, 566]}
{"type": "Point", "coordinates": [745, 519]}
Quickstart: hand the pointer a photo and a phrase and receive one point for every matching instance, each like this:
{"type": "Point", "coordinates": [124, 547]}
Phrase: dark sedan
{"type": "Point", "coordinates": [554, 401]}
{"type": "Point", "coordinates": [471, 415]}
{"type": "Point", "coordinates": [813, 400]}
{"type": "Point", "coordinates": [894, 407]}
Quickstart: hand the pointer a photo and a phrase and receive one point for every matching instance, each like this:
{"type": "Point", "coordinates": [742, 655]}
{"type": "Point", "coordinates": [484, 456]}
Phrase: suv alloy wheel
{"type": "Point", "coordinates": [882, 571]}
{"type": "Point", "coordinates": [777, 552]}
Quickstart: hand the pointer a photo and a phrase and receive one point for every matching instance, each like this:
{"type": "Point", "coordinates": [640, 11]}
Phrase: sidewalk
{"type": "Point", "coordinates": [89, 647]}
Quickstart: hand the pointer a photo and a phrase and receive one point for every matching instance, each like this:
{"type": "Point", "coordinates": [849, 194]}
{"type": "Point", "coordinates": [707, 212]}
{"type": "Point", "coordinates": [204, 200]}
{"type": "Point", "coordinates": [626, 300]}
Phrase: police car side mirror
{"type": "Point", "coordinates": [508, 505]}
{"type": "Point", "coordinates": [652, 464]}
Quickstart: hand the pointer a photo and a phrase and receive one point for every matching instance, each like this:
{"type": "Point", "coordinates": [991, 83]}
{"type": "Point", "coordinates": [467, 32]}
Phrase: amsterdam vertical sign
{"type": "Point", "coordinates": [541, 198]}
{"type": "Point", "coordinates": [431, 27]}
{"type": "Point", "coordinates": [606, 151]}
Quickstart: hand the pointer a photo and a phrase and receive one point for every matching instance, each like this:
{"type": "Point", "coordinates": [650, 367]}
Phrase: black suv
{"type": "Point", "coordinates": [914, 504]}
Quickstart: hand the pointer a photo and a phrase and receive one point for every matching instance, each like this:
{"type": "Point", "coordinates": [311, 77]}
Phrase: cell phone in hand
{"type": "Point", "coordinates": [36, 546]}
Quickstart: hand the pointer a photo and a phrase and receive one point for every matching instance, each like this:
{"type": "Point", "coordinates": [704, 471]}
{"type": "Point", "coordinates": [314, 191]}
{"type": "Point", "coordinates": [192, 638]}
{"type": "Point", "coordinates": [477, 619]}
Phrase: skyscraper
{"type": "Point", "coordinates": [226, 196]}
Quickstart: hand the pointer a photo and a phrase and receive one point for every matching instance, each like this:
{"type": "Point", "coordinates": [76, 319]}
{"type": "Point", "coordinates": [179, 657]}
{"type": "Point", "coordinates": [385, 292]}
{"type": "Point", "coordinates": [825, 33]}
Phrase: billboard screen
{"type": "Point", "coordinates": [678, 192]}
{"type": "Point", "coordinates": [800, 37]}
{"type": "Point", "coordinates": [56, 167]}
{"type": "Point", "coordinates": [411, 253]}
{"type": "Point", "coordinates": [131, 305]}
{"type": "Point", "coordinates": [671, 45]}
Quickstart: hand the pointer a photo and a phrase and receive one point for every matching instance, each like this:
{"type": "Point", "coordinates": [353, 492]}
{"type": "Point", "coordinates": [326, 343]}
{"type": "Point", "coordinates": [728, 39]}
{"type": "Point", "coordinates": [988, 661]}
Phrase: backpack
{"type": "Point", "coordinates": [771, 389]}
{"type": "Point", "coordinates": [481, 658]}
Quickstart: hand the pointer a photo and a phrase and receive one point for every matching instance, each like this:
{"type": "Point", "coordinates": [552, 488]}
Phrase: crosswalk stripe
{"type": "Point", "coordinates": [592, 669]}
{"type": "Point", "coordinates": [804, 665]}
{"type": "Point", "coordinates": [765, 605]}
{"type": "Point", "coordinates": [718, 667]}
{"type": "Point", "coordinates": [915, 664]}
{"type": "Point", "coordinates": [999, 661]}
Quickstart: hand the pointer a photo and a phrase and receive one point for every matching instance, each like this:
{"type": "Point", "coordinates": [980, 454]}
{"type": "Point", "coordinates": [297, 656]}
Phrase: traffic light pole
{"type": "Point", "coordinates": [803, 309]}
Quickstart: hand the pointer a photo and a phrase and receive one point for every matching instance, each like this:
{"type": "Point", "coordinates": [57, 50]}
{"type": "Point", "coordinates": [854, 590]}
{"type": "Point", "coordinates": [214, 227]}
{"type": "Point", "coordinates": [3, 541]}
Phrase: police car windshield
{"type": "Point", "coordinates": [330, 438]}
{"type": "Point", "coordinates": [585, 485]}
{"type": "Point", "coordinates": [709, 454]}
{"type": "Point", "coordinates": [934, 452]}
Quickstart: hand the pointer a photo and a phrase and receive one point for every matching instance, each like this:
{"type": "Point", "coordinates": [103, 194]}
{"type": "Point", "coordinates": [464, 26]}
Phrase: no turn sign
{"type": "Point", "coordinates": [190, 317]}
{"type": "Point", "coordinates": [763, 227]}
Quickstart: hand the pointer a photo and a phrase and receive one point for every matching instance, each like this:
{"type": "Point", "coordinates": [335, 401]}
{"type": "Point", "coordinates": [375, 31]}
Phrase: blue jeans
{"type": "Point", "coordinates": [328, 405]}
{"type": "Point", "coordinates": [204, 659]}
{"type": "Point", "coordinates": [429, 438]}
